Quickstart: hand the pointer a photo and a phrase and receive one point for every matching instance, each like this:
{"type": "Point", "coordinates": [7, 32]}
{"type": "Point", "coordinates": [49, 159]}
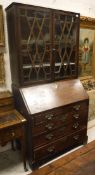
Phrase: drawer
{"type": "Point", "coordinates": [60, 145]}
{"type": "Point", "coordinates": [50, 149]}
{"type": "Point", "coordinates": [64, 113]}
{"type": "Point", "coordinates": [50, 125]}
{"type": "Point", "coordinates": [54, 115]}
{"type": "Point", "coordinates": [65, 130]}
{"type": "Point", "coordinates": [10, 133]}
{"type": "Point", "coordinates": [74, 121]}
{"type": "Point", "coordinates": [73, 116]}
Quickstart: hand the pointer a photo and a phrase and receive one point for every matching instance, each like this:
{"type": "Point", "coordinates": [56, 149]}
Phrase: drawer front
{"type": "Point", "coordinates": [10, 133]}
{"type": "Point", "coordinates": [60, 145]}
{"type": "Point", "coordinates": [77, 113]}
{"type": "Point", "coordinates": [65, 130]}
{"type": "Point", "coordinates": [77, 108]}
{"type": "Point", "coordinates": [50, 125]}
{"type": "Point", "coordinates": [52, 116]}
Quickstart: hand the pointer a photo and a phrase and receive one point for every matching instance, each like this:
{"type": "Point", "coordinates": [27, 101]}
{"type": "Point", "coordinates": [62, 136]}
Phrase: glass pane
{"type": "Point", "coordinates": [36, 49]}
{"type": "Point", "coordinates": [65, 41]}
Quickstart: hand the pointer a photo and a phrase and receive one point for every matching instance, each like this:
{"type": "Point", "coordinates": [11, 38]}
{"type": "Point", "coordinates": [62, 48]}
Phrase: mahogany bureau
{"type": "Point", "coordinates": [56, 114]}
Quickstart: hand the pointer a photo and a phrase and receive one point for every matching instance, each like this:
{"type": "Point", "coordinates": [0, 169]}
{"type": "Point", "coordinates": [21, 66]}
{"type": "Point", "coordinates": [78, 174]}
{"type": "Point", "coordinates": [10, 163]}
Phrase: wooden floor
{"type": "Point", "coordinates": [79, 162]}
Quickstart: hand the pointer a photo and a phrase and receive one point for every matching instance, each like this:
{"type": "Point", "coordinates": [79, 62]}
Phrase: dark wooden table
{"type": "Point", "coordinates": [12, 126]}
{"type": "Point", "coordinates": [79, 162]}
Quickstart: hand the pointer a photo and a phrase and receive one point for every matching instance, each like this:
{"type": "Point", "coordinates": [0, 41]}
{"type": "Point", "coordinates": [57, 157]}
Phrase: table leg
{"type": "Point", "coordinates": [24, 151]}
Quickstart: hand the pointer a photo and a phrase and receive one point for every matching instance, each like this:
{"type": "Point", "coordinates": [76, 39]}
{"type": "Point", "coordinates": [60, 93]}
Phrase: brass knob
{"type": "Point", "coordinates": [49, 126]}
{"type": "Point", "coordinates": [49, 136]}
{"type": "Point", "coordinates": [49, 116]}
{"type": "Point", "coordinates": [76, 107]}
{"type": "Point", "coordinates": [13, 134]}
{"type": "Point", "coordinates": [75, 125]}
{"type": "Point", "coordinates": [51, 149]}
{"type": "Point", "coordinates": [76, 116]}
{"type": "Point", "coordinates": [76, 137]}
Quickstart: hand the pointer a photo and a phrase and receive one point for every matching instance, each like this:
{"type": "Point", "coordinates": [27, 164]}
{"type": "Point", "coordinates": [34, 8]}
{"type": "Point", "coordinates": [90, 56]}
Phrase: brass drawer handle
{"type": "Point", "coordinates": [49, 136]}
{"type": "Point", "coordinates": [49, 116]}
{"type": "Point", "coordinates": [77, 107]}
{"type": "Point", "coordinates": [13, 133]}
{"type": "Point", "coordinates": [49, 126]}
{"type": "Point", "coordinates": [75, 126]}
{"type": "Point", "coordinates": [76, 116]}
{"type": "Point", "coordinates": [76, 137]}
{"type": "Point", "coordinates": [53, 49]}
{"type": "Point", "coordinates": [51, 149]}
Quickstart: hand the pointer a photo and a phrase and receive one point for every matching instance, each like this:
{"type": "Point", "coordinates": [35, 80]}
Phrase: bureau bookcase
{"type": "Point", "coordinates": [43, 46]}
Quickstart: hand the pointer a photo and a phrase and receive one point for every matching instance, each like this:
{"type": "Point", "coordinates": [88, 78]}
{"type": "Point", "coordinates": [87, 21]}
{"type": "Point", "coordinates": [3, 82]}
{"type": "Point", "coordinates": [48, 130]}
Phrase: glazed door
{"type": "Point", "coordinates": [35, 45]}
{"type": "Point", "coordinates": [65, 44]}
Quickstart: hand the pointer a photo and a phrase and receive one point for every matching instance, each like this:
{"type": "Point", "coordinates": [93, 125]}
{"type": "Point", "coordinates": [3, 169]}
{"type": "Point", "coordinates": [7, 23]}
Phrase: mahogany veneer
{"type": "Point", "coordinates": [79, 162]}
{"type": "Point", "coordinates": [57, 116]}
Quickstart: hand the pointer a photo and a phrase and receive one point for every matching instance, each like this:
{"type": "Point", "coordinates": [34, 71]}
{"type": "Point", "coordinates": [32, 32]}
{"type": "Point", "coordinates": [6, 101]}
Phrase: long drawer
{"type": "Point", "coordinates": [64, 130]}
{"type": "Point", "coordinates": [56, 124]}
{"type": "Point", "coordinates": [59, 145]}
{"type": "Point", "coordinates": [61, 118]}
{"type": "Point", "coordinates": [61, 113]}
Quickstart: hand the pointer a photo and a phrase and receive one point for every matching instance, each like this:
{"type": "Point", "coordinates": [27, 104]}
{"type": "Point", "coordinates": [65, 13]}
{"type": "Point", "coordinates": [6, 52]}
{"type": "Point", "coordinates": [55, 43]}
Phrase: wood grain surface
{"type": "Point", "coordinates": [49, 96]}
{"type": "Point", "coordinates": [79, 162]}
